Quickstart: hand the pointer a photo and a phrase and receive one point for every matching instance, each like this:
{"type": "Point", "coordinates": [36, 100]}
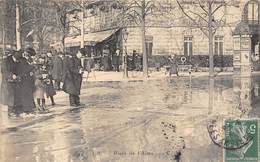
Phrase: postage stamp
{"type": "Point", "coordinates": [241, 140]}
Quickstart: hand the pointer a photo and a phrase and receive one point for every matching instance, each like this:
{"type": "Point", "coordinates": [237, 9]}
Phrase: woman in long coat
{"type": "Point", "coordinates": [25, 88]}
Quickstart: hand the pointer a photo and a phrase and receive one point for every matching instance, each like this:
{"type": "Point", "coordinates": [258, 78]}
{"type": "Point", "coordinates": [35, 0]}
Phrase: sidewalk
{"type": "Point", "coordinates": [98, 76]}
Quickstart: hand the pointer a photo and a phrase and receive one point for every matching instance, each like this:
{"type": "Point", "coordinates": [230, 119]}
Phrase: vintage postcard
{"type": "Point", "coordinates": [129, 80]}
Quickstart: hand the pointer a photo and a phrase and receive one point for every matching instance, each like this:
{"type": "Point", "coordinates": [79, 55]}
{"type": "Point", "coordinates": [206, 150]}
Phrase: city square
{"type": "Point", "coordinates": [129, 80]}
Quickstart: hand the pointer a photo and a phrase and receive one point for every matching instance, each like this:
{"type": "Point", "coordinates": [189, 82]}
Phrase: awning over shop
{"type": "Point", "coordinates": [90, 38]}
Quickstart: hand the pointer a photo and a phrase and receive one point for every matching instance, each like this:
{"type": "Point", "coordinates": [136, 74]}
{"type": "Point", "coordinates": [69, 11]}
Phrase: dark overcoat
{"type": "Point", "coordinates": [49, 87]}
{"type": "Point", "coordinates": [72, 77]}
{"type": "Point", "coordinates": [25, 88]}
{"type": "Point", "coordinates": [57, 70]}
{"type": "Point", "coordinates": [174, 67]}
{"type": "Point", "coordinates": [8, 68]}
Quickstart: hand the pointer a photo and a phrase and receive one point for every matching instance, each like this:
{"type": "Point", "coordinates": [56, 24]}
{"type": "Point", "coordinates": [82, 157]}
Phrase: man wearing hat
{"type": "Point", "coordinates": [10, 79]}
{"type": "Point", "coordinates": [73, 71]}
{"type": "Point", "coordinates": [57, 70]}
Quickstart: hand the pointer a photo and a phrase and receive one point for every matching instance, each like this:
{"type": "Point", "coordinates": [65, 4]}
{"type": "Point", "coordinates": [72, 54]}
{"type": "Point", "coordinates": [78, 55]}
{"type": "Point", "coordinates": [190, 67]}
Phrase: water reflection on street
{"type": "Point", "coordinates": [122, 122]}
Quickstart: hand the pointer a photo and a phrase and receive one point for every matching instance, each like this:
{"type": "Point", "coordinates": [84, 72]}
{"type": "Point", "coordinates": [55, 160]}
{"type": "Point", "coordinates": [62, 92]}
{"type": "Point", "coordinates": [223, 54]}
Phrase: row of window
{"type": "Point", "coordinates": [218, 45]}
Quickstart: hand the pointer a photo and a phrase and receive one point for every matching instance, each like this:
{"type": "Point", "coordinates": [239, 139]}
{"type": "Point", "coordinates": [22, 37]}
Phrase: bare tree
{"type": "Point", "coordinates": [208, 16]}
{"type": "Point", "coordinates": [41, 21]}
{"type": "Point", "coordinates": [66, 22]}
{"type": "Point", "coordinates": [137, 11]}
{"type": "Point", "coordinates": [65, 9]}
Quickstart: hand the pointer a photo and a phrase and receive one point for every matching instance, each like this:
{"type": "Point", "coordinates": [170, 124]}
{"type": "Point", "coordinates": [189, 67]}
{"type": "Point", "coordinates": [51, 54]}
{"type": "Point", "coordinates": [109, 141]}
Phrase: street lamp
{"type": "Point", "coordinates": [125, 36]}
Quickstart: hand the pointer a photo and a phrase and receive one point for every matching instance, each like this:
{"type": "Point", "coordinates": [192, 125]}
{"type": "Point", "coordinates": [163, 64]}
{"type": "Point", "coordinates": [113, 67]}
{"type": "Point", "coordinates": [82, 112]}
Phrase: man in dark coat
{"type": "Point", "coordinates": [174, 66]}
{"type": "Point", "coordinates": [57, 70]}
{"type": "Point", "coordinates": [73, 72]}
{"type": "Point", "coordinates": [9, 81]}
{"type": "Point", "coordinates": [25, 88]}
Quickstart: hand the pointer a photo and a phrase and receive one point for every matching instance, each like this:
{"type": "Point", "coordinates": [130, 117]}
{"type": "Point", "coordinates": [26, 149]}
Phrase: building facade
{"type": "Point", "coordinates": [170, 32]}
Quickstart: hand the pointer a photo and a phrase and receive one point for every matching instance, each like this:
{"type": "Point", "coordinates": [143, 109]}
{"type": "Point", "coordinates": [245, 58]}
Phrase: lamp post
{"type": "Point", "coordinates": [125, 56]}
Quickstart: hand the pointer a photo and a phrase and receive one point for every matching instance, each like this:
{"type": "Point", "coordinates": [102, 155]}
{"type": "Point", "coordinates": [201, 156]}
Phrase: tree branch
{"type": "Point", "coordinates": [216, 9]}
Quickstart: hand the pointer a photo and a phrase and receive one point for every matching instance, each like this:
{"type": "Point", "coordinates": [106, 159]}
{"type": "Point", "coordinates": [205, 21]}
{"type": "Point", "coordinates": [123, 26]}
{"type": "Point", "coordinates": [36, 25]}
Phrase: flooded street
{"type": "Point", "coordinates": [131, 122]}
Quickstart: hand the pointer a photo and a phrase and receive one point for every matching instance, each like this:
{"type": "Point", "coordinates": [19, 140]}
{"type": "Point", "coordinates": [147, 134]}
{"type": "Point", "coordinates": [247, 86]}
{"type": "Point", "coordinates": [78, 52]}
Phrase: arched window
{"type": "Point", "coordinates": [251, 12]}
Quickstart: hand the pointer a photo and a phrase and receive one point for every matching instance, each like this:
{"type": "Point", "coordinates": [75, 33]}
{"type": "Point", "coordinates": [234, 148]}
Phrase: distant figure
{"type": "Point", "coordinates": [255, 61]}
{"type": "Point", "coordinates": [106, 60]}
{"type": "Point", "coordinates": [116, 59]}
{"type": "Point", "coordinates": [139, 62]}
{"type": "Point", "coordinates": [174, 66]}
{"type": "Point", "coordinates": [57, 70]}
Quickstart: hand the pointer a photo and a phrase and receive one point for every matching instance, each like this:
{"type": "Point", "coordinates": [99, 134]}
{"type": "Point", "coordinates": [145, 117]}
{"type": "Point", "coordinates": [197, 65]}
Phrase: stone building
{"type": "Point", "coordinates": [170, 32]}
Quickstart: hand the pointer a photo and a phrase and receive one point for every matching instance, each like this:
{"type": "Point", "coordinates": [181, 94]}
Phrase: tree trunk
{"type": "Point", "coordinates": [124, 53]}
{"type": "Point", "coordinates": [211, 55]}
{"type": "Point", "coordinates": [18, 27]}
{"type": "Point", "coordinates": [211, 63]}
{"type": "Point", "coordinates": [145, 59]}
{"type": "Point", "coordinates": [63, 43]}
{"type": "Point", "coordinates": [3, 29]}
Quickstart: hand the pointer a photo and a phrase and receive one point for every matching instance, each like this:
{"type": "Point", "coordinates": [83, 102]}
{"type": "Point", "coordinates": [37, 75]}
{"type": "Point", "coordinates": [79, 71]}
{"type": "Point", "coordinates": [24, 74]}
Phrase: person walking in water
{"type": "Point", "coordinates": [73, 71]}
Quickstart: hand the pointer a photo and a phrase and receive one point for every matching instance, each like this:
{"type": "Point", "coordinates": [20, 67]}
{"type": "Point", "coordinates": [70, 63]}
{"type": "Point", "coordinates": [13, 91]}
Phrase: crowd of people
{"type": "Point", "coordinates": [28, 79]}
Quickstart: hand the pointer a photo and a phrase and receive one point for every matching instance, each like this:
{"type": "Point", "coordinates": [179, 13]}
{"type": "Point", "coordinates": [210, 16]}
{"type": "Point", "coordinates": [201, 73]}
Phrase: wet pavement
{"type": "Point", "coordinates": [131, 121]}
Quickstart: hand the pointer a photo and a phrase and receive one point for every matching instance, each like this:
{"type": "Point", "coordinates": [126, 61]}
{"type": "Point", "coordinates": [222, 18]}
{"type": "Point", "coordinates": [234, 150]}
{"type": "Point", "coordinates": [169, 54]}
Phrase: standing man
{"type": "Point", "coordinates": [106, 60]}
{"type": "Point", "coordinates": [9, 82]}
{"type": "Point", "coordinates": [73, 71]}
{"type": "Point", "coordinates": [57, 70]}
{"type": "Point", "coordinates": [174, 66]}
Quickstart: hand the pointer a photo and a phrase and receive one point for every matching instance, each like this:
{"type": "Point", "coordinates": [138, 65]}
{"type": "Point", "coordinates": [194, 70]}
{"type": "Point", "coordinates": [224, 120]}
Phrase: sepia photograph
{"type": "Point", "coordinates": [129, 80]}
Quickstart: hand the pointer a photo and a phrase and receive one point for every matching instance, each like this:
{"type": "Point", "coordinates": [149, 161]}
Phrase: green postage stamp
{"type": "Point", "coordinates": [241, 140]}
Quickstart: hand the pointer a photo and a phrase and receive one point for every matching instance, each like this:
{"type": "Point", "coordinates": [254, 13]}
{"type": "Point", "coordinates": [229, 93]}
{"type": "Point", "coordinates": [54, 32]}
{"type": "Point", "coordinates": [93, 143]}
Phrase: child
{"type": "Point", "coordinates": [44, 85]}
